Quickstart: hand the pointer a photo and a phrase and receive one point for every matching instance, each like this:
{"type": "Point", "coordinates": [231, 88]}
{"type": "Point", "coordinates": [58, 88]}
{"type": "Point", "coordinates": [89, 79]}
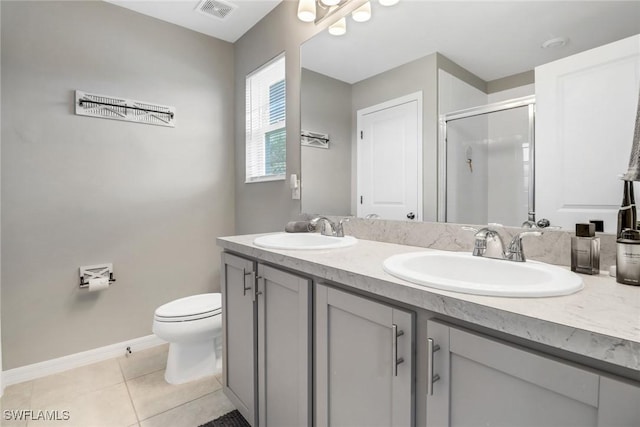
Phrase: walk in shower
{"type": "Point", "coordinates": [486, 163]}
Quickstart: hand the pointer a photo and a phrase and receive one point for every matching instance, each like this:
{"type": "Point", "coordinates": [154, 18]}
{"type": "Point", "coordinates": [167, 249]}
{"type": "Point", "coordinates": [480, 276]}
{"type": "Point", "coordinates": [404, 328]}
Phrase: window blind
{"type": "Point", "coordinates": [265, 123]}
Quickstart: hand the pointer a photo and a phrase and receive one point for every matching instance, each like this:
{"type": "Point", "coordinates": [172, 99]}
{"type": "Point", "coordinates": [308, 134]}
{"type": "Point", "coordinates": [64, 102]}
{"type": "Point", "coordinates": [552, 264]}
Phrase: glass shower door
{"type": "Point", "coordinates": [487, 160]}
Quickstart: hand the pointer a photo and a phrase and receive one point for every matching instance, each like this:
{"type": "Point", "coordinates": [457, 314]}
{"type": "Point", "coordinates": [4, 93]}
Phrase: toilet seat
{"type": "Point", "coordinates": [190, 308]}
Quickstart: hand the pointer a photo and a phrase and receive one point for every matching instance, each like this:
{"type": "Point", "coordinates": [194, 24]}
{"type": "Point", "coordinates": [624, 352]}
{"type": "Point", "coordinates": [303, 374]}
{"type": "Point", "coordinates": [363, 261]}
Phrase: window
{"type": "Point", "coordinates": [266, 144]}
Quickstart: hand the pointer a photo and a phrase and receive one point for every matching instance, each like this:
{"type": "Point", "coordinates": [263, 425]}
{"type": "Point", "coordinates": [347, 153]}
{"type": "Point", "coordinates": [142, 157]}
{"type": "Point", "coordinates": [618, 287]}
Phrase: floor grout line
{"type": "Point", "coordinates": [179, 406]}
{"type": "Point", "coordinates": [145, 374]}
{"type": "Point", "coordinates": [133, 405]}
{"type": "Point", "coordinates": [126, 384]}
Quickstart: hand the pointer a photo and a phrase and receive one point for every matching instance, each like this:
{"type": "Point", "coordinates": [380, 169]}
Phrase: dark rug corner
{"type": "Point", "coordinates": [230, 419]}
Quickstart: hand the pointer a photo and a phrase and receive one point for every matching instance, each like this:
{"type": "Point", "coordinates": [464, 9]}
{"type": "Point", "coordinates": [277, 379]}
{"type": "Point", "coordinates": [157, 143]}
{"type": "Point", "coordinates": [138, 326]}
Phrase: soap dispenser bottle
{"type": "Point", "coordinates": [585, 250]}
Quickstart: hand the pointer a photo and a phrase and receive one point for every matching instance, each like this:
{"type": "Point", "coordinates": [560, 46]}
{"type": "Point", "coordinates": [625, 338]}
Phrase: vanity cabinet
{"type": "Point", "coordinates": [364, 355]}
{"type": "Point", "coordinates": [267, 342]}
{"type": "Point", "coordinates": [299, 352]}
{"type": "Point", "coordinates": [477, 380]}
{"type": "Point", "coordinates": [284, 346]}
{"type": "Point", "coordinates": [239, 331]}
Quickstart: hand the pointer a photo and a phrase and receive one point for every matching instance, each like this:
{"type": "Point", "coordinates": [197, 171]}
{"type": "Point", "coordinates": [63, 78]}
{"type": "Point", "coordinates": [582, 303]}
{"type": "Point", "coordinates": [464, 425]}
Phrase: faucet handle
{"type": "Point", "coordinates": [327, 227]}
{"type": "Point", "coordinates": [488, 242]}
{"type": "Point", "coordinates": [515, 250]}
{"type": "Point", "coordinates": [486, 232]}
{"type": "Point", "coordinates": [340, 228]}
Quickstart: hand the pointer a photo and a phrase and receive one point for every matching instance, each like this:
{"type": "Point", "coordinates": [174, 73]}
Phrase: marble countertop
{"type": "Point", "coordinates": [601, 322]}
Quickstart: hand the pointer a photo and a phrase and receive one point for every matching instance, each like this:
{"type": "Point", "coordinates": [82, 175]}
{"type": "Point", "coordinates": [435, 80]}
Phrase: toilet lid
{"type": "Point", "coordinates": [195, 306]}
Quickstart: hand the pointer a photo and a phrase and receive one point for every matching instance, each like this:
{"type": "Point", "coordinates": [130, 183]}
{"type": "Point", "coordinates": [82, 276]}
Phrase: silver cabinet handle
{"type": "Point", "coordinates": [245, 288]}
{"type": "Point", "coordinates": [394, 349]}
{"type": "Point", "coordinates": [256, 291]}
{"type": "Point", "coordinates": [431, 377]}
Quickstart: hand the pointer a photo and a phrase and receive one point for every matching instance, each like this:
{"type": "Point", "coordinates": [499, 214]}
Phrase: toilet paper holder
{"type": "Point", "coordinates": [100, 271]}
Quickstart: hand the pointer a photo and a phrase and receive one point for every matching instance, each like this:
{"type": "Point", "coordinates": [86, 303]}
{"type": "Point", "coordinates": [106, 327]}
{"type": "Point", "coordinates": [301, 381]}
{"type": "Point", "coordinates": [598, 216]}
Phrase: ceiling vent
{"type": "Point", "coordinates": [216, 8]}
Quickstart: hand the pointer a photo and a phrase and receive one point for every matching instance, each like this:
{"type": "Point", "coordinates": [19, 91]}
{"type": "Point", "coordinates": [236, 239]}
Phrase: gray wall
{"type": "Point", "coordinates": [268, 206]}
{"type": "Point", "coordinates": [326, 108]}
{"type": "Point", "coordinates": [79, 190]}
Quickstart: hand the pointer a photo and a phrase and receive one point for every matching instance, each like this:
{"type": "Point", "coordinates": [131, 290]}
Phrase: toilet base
{"type": "Point", "coordinates": [190, 361]}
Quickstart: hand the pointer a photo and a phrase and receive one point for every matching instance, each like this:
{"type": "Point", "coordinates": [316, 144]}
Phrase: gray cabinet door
{"type": "Point", "coordinates": [364, 362]}
{"type": "Point", "coordinates": [284, 348]}
{"type": "Point", "coordinates": [481, 381]}
{"type": "Point", "coordinates": [239, 312]}
{"type": "Point", "coordinates": [619, 403]}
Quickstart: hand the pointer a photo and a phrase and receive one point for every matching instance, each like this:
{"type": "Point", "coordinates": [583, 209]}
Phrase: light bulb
{"type": "Point", "coordinates": [307, 10]}
{"type": "Point", "coordinates": [388, 2]}
{"type": "Point", "coordinates": [363, 13]}
{"type": "Point", "coordinates": [339, 27]}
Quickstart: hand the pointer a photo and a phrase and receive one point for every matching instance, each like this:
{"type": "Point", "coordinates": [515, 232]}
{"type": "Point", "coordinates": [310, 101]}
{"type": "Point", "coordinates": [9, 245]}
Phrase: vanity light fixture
{"type": "Point", "coordinates": [338, 28]}
{"type": "Point", "coordinates": [307, 10]}
{"type": "Point", "coordinates": [363, 13]}
{"type": "Point", "coordinates": [317, 10]}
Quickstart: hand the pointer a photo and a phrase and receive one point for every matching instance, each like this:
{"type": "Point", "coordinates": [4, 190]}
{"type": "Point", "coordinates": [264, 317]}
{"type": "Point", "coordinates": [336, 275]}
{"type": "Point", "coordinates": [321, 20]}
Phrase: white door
{"type": "Point", "coordinates": [585, 114]}
{"type": "Point", "coordinates": [390, 159]}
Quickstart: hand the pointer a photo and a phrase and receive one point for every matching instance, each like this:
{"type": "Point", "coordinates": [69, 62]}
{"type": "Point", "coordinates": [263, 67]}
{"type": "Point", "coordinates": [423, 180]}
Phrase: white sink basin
{"type": "Point", "coordinates": [303, 241]}
{"type": "Point", "coordinates": [462, 272]}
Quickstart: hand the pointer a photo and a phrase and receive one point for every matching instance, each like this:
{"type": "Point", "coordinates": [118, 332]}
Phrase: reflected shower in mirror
{"type": "Point", "coordinates": [487, 163]}
{"type": "Point", "coordinates": [459, 55]}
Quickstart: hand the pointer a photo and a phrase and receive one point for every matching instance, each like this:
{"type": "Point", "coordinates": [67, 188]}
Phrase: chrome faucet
{"type": "Point", "coordinates": [329, 228]}
{"type": "Point", "coordinates": [489, 244]}
{"type": "Point", "coordinates": [515, 251]}
{"type": "Point", "coordinates": [532, 223]}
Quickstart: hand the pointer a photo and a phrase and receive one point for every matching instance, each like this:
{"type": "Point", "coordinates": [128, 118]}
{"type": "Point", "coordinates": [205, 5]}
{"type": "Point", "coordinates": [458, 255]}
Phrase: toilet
{"type": "Point", "coordinates": [193, 327]}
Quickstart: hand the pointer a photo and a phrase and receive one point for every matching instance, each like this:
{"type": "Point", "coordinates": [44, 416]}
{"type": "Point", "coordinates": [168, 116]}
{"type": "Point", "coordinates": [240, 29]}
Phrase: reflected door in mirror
{"type": "Point", "coordinates": [586, 107]}
{"type": "Point", "coordinates": [389, 159]}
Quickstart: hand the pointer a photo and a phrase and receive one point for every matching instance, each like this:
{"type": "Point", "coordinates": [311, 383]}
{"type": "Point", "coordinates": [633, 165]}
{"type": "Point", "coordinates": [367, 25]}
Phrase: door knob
{"type": "Point", "coordinates": [411, 215]}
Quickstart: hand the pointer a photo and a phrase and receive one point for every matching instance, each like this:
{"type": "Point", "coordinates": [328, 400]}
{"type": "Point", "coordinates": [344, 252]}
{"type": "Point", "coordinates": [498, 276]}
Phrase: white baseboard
{"type": "Point", "coordinates": [54, 366]}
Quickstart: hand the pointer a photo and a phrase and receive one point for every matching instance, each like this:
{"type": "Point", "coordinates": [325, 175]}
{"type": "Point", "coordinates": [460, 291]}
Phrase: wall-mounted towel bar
{"type": "Point", "coordinates": [115, 108]}
{"type": "Point", "coordinates": [108, 104]}
{"type": "Point", "coordinates": [314, 139]}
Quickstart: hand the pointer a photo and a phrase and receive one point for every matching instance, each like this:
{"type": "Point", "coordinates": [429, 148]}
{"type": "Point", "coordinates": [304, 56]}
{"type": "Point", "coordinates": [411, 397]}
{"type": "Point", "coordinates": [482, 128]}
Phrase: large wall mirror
{"type": "Point", "coordinates": [422, 59]}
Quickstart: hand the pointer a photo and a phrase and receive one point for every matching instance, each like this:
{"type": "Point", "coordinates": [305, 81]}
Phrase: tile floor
{"type": "Point", "coordinates": [120, 392]}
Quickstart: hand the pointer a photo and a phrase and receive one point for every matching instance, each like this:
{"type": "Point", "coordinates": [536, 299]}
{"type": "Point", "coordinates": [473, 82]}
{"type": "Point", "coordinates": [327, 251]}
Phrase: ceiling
{"type": "Point", "coordinates": [244, 15]}
{"type": "Point", "coordinates": [492, 39]}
